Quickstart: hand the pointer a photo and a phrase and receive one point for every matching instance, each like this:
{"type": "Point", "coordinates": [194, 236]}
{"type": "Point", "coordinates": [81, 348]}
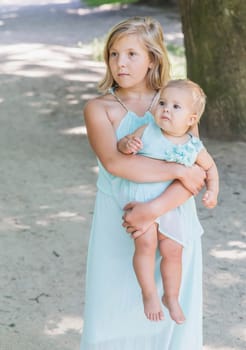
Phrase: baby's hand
{"type": "Point", "coordinates": [209, 199]}
{"type": "Point", "coordinates": [134, 144]}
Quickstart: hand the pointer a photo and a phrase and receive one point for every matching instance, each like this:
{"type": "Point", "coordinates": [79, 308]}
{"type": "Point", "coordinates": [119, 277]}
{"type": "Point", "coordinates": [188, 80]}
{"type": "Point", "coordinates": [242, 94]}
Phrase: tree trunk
{"type": "Point", "coordinates": [215, 44]}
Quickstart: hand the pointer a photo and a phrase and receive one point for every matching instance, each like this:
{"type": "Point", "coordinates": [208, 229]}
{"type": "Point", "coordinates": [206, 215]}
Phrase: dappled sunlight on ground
{"type": "Point", "coordinates": [225, 279]}
{"type": "Point", "coordinates": [236, 251]}
{"type": "Point", "coordinates": [83, 11]}
{"type": "Point", "coordinates": [81, 190]}
{"type": "Point", "coordinates": [62, 216]}
{"type": "Point", "coordinates": [238, 244]}
{"type": "Point", "coordinates": [34, 2]}
{"type": "Point", "coordinates": [79, 130]}
{"type": "Point", "coordinates": [66, 324]}
{"type": "Point", "coordinates": [40, 60]}
{"type": "Point", "coordinates": [239, 330]}
{"type": "Point", "coordinates": [12, 224]}
{"type": "Point", "coordinates": [229, 254]}
{"type": "Point", "coordinates": [66, 215]}
{"type": "Point", "coordinates": [225, 252]}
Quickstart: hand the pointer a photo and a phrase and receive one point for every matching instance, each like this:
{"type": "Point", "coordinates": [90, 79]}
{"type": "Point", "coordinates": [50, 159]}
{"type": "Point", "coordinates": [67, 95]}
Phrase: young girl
{"type": "Point", "coordinates": [136, 68]}
{"type": "Point", "coordinates": [180, 107]}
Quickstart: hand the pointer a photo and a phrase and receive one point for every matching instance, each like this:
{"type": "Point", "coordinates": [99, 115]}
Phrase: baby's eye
{"type": "Point", "coordinates": [162, 103]}
{"type": "Point", "coordinates": [176, 106]}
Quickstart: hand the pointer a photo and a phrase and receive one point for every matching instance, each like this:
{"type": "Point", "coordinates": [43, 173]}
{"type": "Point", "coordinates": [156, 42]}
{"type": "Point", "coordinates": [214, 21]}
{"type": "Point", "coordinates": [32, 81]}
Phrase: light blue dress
{"type": "Point", "coordinates": [181, 224]}
{"type": "Point", "coordinates": [114, 318]}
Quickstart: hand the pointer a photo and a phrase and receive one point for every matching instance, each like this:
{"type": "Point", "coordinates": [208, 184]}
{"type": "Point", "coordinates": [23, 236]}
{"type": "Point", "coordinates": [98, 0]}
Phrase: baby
{"type": "Point", "coordinates": [180, 106]}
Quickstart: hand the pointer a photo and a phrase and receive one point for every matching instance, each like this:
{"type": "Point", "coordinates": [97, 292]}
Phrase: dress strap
{"type": "Point", "coordinates": [111, 91]}
{"type": "Point", "coordinates": [156, 95]}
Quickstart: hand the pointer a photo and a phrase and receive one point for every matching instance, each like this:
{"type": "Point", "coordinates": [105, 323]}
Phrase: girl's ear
{"type": "Point", "coordinates": [151, 64]}
{"type": "Point", "coordinates": [192, 120]}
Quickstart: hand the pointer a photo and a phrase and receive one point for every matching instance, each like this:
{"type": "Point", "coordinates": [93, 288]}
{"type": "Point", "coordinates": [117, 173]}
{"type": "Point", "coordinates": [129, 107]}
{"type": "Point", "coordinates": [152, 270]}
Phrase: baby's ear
{"type": "Point", "coordinates": [193, 120]}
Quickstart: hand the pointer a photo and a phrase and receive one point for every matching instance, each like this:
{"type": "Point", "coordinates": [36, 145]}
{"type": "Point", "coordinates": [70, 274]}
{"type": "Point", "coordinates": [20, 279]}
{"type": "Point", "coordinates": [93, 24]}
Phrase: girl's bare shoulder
{"type": "Point", "coordinates": [104, 107]}
{"type": "Point", "coordinates": [101, 101]}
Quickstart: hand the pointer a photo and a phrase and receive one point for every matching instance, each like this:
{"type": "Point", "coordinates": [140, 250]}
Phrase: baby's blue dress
{"type": "Point", "coordinates": [180, 224]}
{"type": "Point", "coordinates": [114, 318]}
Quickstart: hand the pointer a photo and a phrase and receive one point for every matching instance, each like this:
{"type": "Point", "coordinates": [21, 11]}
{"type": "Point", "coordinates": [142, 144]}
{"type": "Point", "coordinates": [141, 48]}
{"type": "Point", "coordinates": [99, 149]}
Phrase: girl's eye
{"type": "Point", "coordinates": [112, 54]}
{"type": "Point", "coordinates": [132, 53]}
{"type": "Point", "coordinates": [161, 103]}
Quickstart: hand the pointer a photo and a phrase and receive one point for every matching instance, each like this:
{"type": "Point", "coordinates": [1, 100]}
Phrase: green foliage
{"type": "Point", "coordinates": [97, 48]}
{"type": "Point", "coordinates": [176, 50]}
{"type": "Point", "coordinates": [94, 48]}
{"type": "Point", "coordinates": [103, 2]}
{"type": "Point", "coordinates": [177, 59]}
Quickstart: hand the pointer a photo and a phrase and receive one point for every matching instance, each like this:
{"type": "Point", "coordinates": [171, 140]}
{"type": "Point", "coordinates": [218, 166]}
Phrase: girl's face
{"type": "Point", "coordinates": [129, 61]}
{"type": "Point", "coordinates": [174, 112]}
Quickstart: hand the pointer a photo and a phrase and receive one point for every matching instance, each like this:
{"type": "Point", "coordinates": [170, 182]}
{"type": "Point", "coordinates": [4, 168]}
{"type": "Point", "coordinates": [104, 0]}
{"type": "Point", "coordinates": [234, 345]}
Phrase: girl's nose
{"type": "Point", "coordinates": [121, 61]}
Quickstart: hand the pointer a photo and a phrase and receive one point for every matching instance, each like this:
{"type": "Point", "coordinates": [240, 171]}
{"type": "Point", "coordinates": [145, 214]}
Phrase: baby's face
{"type": "Point", "coordinates": [174, 113]}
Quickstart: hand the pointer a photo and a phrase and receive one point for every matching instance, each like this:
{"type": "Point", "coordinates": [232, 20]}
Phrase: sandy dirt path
{"type": "Point", "coordinates": [48, 175]}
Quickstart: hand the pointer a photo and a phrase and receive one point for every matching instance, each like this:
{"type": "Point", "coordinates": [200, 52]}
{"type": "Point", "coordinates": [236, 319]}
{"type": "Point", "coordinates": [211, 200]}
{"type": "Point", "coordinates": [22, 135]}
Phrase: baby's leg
{"type": "Point", "coordinates": [171, 271]}
{"type": "Point", "coordinates": [144, 266]}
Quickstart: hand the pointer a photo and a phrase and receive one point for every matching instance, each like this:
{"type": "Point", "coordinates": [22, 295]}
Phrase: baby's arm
{"type": "Point", "coordinates": [206, 161]}
{"type": "Point", "coordinates": [132, 143]}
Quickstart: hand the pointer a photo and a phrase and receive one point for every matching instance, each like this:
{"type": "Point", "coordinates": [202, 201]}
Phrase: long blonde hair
{"type": "Point", "coordinates": [150, 32]}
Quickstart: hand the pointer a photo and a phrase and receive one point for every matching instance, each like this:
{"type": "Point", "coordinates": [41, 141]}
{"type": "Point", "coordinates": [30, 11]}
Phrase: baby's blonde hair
{"type": "Point", "coordinates": [197, 93]}
{"type": "Point", "coordinates": [150, 32]}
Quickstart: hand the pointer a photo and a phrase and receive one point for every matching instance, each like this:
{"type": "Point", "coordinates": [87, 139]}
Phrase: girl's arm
{"type": "Point", "coordinates": [138, 217]}
{"type": "Point", "coordinates": [102, 138]}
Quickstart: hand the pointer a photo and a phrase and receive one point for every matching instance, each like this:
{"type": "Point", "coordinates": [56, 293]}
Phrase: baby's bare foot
{"type": "Point", "coordinates": [152, 307]}
{"type": "Point", "coordinates": [174, 308]}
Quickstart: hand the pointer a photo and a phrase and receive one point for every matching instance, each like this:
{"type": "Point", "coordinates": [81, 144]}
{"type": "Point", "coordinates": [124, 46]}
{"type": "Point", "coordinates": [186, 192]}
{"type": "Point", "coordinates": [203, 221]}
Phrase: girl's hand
{"type": "Point", "coordinates": [138, 217]}
{"type": "Point", "coordinates": [193, 178]}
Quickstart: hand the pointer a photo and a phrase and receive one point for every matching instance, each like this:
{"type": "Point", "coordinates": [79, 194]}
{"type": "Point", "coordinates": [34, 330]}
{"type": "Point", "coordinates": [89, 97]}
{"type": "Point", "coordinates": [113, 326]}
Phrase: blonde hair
{"type": "Point", "coordinates": [150, 32]}
{"type": "Point", "coordinates": [197, 93]}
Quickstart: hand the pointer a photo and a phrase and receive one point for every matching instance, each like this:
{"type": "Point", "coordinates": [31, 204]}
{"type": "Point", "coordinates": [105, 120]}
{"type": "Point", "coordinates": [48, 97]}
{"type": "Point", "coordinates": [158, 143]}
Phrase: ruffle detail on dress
{"type": "Point", "coordinates": [184, 154]}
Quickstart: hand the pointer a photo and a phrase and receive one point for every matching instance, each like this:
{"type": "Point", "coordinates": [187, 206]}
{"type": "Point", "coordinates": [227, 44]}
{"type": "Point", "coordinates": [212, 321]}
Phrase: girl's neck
{"type": "Point", "coordinates": [136, 100]}
{"type": "Point", "coordinates": [134, 93]}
